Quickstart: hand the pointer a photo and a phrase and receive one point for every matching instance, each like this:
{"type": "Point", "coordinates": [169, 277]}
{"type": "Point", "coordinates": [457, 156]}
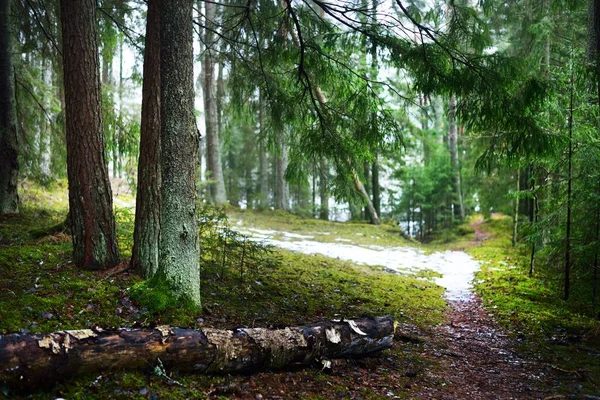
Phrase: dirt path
{"type": "Point", "coordinates": [477, 360]}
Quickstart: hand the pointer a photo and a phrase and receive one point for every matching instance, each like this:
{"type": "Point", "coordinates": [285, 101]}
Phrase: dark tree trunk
{"type": "Point", "coordinates": [29, 361]}
{"type": "Point", "coordinates": [179, 259]}
{"type": "Point", "coordinates": [9, 147]}
{"type": "Point", "coordinates": [144, 257]}
{"type": "Point", "coordinates": [90, 195]}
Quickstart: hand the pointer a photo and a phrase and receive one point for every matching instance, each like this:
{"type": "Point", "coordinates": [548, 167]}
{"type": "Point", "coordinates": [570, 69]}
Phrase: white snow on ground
{"type": "Point", "coordinates": [456, 267]}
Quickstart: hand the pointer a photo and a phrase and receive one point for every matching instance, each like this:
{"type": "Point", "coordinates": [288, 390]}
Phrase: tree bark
{"type": "Point", "coordinates": [567, 272]}
{"type": "Point", "coordinates": [281, 187]}
{"type": "Point", "coordinates": [360, 188]}
{"type": "Point", "coordinates": [144, 257]}
{"type": "Point", "coordinates": [213, 149]}
{"type": "Point", "coordinates": [179, 259]}
{"type": "Point", "coordinates": [515, 233]}
{"type": "Point", "coordinates": [90, 195]}
{"type": "Point", "coordinates": [28, 361]}
{"type": "Point", "coordinates": [375, 189]}
{"type": "Point", "coordinates": [9, 146]}
{"type": "Point", "coordinates": [263, 162]}
{"type": "Point", "coordinates": [459, 210]}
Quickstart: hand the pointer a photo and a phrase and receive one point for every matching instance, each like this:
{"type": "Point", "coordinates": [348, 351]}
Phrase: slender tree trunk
{"type": "Point", "coordinates": [534, 222]}
{"type": "Point", "coordinates": [367, 185]}
{"type": "Point", "coordinates": [596, 264]}
{"type": "Point", "coordinates": [263, 162]}
{"type": "Point", "coordinates": [9, 146]}
{"type": "Point", "coordinates": [323, 189]}
{"type": "Point", "coordinates": [213, 146]}
{"type": "Point", "coordinates": [375, 189]}
{"type": "Point", "coordinates": [281, 186]}
{"type": "Point", "coordinates": [569, 193]}
{"type": "Point", "coordinates": [179, 259]}
{"type": "Point", "coordinates": [45, 127]}
{"type": "Point", "coordinates": [459, 210]}
{"type": "Point", "coordinates": [594, 55]}
{"type": "Point", "coordinates": [360, 188]}
{"type": "Point", "coordinates": [144, 257]}
{"type": "Point", "coordinates": [516, 211]}
{"type": "Point", "coordinates": [90, 195]}
{"type": "Point", "coordinates": [119, 128]}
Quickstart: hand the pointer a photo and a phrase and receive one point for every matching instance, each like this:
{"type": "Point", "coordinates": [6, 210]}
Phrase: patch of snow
{"type": "Point", "coordinates": [456, 267]}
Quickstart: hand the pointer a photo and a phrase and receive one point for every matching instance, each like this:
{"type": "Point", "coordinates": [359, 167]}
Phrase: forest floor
{"type": "Point", "coordinates": [515, 341]}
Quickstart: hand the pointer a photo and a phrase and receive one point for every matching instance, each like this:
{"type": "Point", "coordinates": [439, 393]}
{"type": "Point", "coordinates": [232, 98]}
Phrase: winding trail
{"type": "Point", "coordinates": [469, 355]}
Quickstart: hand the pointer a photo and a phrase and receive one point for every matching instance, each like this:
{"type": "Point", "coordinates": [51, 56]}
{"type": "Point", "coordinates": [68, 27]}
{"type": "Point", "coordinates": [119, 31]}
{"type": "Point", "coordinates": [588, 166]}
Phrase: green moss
{"type": "Point", "coordinates": [158, 295]}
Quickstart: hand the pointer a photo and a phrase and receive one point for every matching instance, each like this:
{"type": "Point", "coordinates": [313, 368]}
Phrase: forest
{"type": "Point", "coordinates": [300, 199]}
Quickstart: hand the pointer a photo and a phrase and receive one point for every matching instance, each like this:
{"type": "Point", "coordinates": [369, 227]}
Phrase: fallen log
{"type": "Point", "coordinates": [42, 359]}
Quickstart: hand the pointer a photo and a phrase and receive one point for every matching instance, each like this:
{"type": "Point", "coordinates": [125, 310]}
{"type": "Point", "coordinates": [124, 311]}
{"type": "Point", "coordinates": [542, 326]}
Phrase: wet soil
{"type": "Point", "coordinates": [477, 360]}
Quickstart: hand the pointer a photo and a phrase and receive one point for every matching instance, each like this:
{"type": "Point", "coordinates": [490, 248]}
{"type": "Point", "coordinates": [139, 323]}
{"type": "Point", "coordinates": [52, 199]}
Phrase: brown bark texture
{"type": "Point", "coordinates": [28, 361]}
{"type": "Point", "coordinates": [9, 166]}
{"type": "Point", "coordinates": [90, 194]}
{"type": "Point", "coordinates": [144, 257]}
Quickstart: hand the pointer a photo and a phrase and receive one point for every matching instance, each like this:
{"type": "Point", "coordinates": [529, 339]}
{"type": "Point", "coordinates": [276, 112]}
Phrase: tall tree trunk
{"type": "Point", "coordinates": [569, 192]}
{"type": "Point", "coordinates": [323, 189]}
{"type": "Point", "coordinates": [179, 258]}
{"type": "Point", "coordinates": [459, 210]}
{"type": "Point", "coordinates": [263, 162]}
{"type": "Point", "coordinates": [45, 127]}
{"type": "Point", "coordinates": [213, 147]}
{"type": "Point", "coordinates": [515, 233]}
{"type": "Point", "coordinates": [375, 190]}
{"type": "Point", "coordinates": [119, 128]}
{"type": "Point", "coordinates": [90, 195]}
{"type": "Point", "coordinates": [281, 187]}
{"type": "Point", "coordinates": [144, 257]}
{"type": "Point", "coordinates": [9, 146]}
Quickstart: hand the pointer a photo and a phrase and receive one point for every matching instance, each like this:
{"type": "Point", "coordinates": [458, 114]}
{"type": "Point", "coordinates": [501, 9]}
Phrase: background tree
{"type": "Point", "coordinates": [9, 166]}
{"type": "Point", "coordinates": [144, 257]}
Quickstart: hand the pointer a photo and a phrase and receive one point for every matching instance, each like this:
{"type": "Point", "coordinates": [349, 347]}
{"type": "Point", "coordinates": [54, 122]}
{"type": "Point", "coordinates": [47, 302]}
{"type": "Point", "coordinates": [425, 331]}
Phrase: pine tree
{"type": "Point", "coordinates": [179, 248]}
{"type": "Point", "coordinates": [9, 147]}
{"type": "Point", "coordinates": [90, 194]}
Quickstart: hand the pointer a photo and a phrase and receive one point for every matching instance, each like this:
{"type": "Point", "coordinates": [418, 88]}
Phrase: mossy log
{"type": "Point", "coordinates": [32, 360]}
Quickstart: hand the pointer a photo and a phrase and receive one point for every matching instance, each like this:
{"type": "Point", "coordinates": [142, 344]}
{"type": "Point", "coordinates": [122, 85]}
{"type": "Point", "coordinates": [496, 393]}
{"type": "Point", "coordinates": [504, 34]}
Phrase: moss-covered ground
{"type": "Point", "coordinates": [42, 291]}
